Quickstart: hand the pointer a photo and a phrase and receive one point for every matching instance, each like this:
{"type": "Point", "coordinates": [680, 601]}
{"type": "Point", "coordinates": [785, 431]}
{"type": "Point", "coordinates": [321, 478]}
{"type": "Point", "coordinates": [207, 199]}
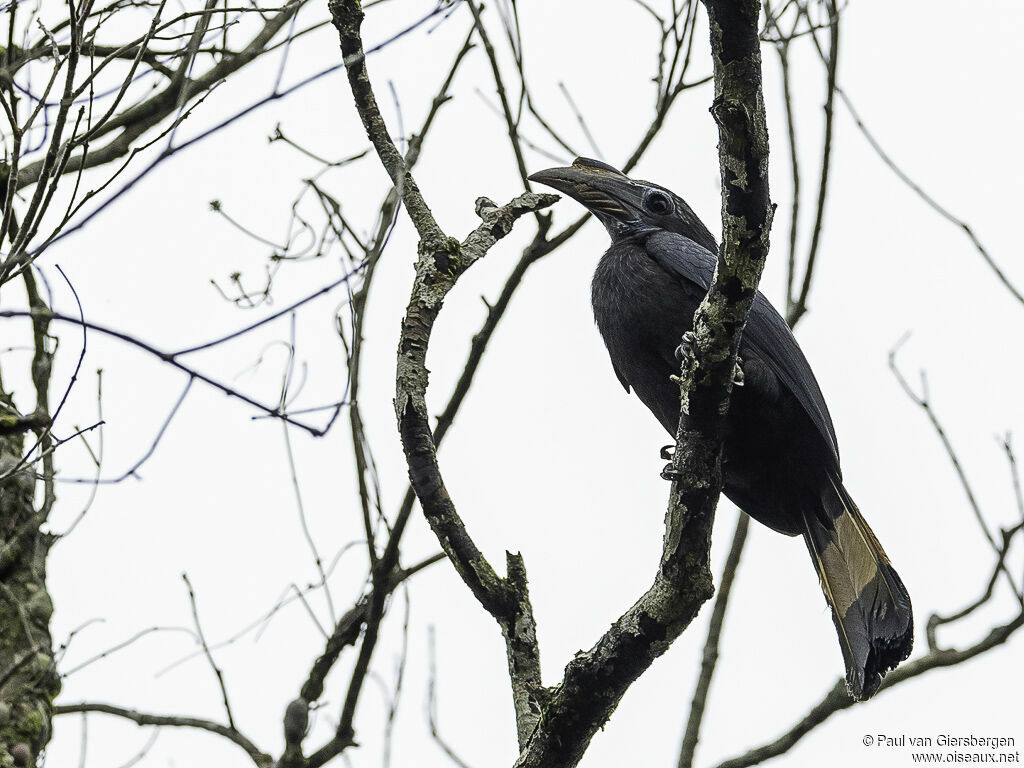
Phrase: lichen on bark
{"type": "Point", "coordinates": [28, 677]}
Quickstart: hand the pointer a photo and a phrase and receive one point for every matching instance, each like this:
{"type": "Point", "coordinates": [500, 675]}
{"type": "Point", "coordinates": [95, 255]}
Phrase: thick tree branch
{"type": "Point", "coordinates": [441, 261]}
{"type": "Point", "coordinates": [506, 599]}
{"type": "Point", "coordinates": [348, 18]}
{"type": "Point", "coordinates": [28, 675]}
{"type": "Point", "coordinates": [595, 681]}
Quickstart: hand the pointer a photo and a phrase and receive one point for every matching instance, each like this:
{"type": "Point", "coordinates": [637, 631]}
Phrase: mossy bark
{"type": "Point", "coordinates": [28, 677]}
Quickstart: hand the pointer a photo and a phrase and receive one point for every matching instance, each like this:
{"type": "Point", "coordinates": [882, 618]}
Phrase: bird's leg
{"type": "Point", "coordinates": [687, 365]}
{"type": "Point", "coordinates": [685, 358]}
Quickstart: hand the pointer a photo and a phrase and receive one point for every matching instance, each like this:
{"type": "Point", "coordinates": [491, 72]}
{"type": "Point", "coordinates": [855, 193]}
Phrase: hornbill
{"type": "Point", "coordinates": [780, 456]}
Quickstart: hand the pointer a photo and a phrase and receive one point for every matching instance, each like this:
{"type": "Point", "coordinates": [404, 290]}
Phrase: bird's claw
{"type": "Point", "coordinates": [685, 349]}
{"type": "Point", "coordinates": [685, 352]}
{"type": "Point", "coordinates": [668, 473]}
{"type": "Point", "coordinates": [737, 373]}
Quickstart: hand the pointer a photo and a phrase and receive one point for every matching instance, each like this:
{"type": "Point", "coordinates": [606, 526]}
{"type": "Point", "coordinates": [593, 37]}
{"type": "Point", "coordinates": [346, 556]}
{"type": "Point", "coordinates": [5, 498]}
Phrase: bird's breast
{"type": "Point", "coordinates": [632, 293]}
{"type": "Point", "coordinates": [642, 313]}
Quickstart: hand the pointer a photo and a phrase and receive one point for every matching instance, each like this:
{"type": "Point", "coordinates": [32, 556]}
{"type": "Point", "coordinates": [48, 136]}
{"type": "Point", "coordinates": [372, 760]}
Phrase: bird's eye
{"type": "Point", "coordinates": [657, 202]}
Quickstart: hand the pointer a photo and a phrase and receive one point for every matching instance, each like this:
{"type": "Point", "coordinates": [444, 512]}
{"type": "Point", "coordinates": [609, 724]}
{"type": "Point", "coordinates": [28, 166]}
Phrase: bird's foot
{"type": "Point", "coordinates": [668, 473]}
{"type": "Point", "coordinates": [685, 349]}
{"type": "Point", "coordinates": [737, 381]}
{"type": "Point", "coordinates": [684, 352]}
{"type": "Point", "coordinates": [737, 373]}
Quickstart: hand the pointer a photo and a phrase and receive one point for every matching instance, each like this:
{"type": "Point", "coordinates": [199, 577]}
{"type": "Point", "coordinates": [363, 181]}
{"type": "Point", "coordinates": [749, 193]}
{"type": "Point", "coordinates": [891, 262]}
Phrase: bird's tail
{"type": "Point", "coordinates": [870, 606]}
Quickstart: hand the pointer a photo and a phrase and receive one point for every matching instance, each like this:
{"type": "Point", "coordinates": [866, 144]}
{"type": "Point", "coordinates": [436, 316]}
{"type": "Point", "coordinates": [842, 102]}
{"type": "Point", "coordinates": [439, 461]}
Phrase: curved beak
{"type": "Point", "coordinates": [603, 190]}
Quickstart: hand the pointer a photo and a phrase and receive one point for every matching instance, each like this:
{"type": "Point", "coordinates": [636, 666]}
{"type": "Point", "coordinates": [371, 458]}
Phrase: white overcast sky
{"type": "Point", "coordinates": [549, 457]}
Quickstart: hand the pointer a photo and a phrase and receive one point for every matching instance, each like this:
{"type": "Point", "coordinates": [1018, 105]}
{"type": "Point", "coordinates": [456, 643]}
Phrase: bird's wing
{"type": "Point", "coordinates": [773, 341]}
{"type": "Point", "coordinates": [682, 257]}
{"type": "Point", "coordinates": [766, 334]}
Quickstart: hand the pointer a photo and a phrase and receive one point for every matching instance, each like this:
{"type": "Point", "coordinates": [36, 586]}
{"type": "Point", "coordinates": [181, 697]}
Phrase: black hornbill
{"type": "Point", "coordinates": [780, 456]}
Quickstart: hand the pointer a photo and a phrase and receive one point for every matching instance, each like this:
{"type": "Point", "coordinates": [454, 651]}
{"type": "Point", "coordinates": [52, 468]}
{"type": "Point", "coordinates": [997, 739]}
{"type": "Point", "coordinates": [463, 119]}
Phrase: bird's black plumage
{"type": "Point", "coordinates": [780, 454]}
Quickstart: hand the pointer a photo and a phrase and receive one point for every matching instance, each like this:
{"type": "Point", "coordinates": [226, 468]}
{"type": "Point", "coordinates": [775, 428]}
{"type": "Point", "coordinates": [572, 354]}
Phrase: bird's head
{"type": "Point", "coordinates": [628, 208]}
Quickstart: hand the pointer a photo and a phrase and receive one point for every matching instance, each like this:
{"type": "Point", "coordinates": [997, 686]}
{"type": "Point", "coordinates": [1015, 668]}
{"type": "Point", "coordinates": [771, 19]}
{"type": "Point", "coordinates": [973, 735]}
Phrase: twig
{"type": "Point", "coordinates": [124, 644]}
{"type": "Point", "coordinates": [837, 699]}
{"type": "Point", "coordinates": [171, 359]}
{"type": "Point", "coordinates": [396, 693]}
{"type": "Point", "coordinates": [797, 308]}
{"type": "Point", "coordinates": [923, 401]}
{"type": "Point", "coordinates": [261, 759]}
{"type": "Point", "coordinates": [510, 122]}
{"type": "Point", "coordinates": [209, 656]}
{"type": "Point", "coordinates": [929, 200]}
{"type": "Point", "coordinates": [935, 620]}
{"type": "Point", "coordinates": [132, 471]}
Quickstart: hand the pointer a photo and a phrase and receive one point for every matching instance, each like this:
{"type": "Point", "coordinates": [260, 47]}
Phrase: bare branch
{"type": "Point", "coordinates": [259, 758]}
{"type": "Point", "coordinates": [171, 358]}
{"type": "Point", "coordinates": [923, 401]}
{"type": "Point", "coordinates": [837, 699]}
{"type": "Point", "coordinates": [206, 652]}
{"type": "Point", "coordinates": [935, 620]}
{"type": "Point", "coordinates": [930, 201]}
{"type": "Point", "coordinates": [797, 307]}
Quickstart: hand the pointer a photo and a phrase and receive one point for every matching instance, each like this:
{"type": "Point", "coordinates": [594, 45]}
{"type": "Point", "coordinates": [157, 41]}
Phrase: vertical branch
{"type": "Point", "coordinates": [28, 677]}
{"type": "Point", "coordinates": [510, 121]}
{"type": "Point", "coordinates": [794, 166]}
{"type": "Point", "coordinates": [209, 655]}
{"type": "Point", "coordinates": [795, 310]}
{"type": "Point", "coordinates": [595, 681]}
